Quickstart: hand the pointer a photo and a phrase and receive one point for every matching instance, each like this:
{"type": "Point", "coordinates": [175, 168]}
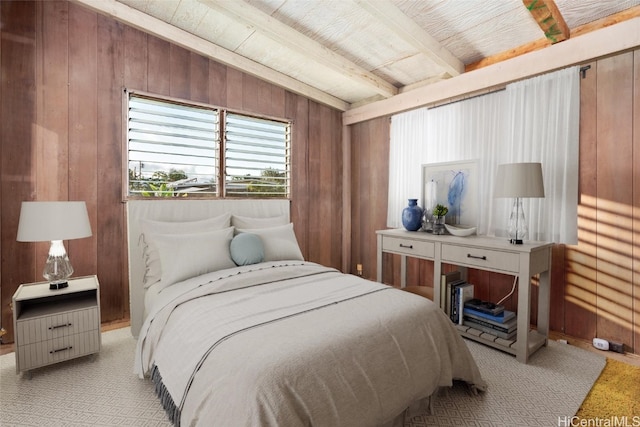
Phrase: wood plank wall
{"type": "Point", "coordinates": [64, 71]}
{"type": "Point", "coordinates": [595, 285]}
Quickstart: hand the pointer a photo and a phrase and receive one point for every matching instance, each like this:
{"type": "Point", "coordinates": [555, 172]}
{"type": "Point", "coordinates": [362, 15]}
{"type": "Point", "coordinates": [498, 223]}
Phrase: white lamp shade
{"type": "Point", "coordinates": [46, 221]}
{"type": "Point", "coordinates": [519, 180]}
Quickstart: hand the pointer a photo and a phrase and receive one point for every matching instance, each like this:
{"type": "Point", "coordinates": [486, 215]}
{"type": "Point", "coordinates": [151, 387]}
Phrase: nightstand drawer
{"type": "Point", "coordinates": [481, 258]}
{"type": "Point", "coordinates": [49, 327]}
{"type": "Point", "coordinates": [56, 350]}
{"type": "Point", "coordinates": [410, 247]}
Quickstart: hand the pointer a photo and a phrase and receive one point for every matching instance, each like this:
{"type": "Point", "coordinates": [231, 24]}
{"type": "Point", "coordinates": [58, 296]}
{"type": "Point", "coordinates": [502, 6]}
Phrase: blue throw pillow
{"type": "Point", "coordinates": [246, 249]}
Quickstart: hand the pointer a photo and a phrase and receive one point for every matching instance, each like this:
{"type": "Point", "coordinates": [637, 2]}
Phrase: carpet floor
{"type": "Point", "coordinates": [102, 391]}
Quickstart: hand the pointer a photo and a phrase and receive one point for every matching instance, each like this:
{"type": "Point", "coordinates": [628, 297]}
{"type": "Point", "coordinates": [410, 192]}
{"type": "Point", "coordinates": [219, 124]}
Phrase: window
{"type": "Point", "coordinates": [256, 156]}
{"type": "Point", "coordinates": [174, 151]}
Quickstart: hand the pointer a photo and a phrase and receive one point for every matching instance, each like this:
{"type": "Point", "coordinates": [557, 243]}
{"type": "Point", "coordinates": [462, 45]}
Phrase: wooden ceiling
{"type": "Point", "coordinates": [347, 53]}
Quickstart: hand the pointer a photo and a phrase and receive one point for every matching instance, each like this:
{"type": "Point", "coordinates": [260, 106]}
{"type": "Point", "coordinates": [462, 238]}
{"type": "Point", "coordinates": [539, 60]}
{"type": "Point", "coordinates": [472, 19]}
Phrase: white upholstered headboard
{"type": "Point", "coordinates": [180, 210]}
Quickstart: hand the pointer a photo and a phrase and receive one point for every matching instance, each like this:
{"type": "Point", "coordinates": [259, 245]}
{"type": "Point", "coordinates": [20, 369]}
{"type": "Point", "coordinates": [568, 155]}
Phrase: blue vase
{"type": "Point", "coordinates": [412, 216]}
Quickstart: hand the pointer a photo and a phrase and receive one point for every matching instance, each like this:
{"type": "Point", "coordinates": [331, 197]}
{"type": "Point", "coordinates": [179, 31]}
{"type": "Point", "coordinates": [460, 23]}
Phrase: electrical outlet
{"type": "Point", "coordinates": [601, 344]}
{"type": "Point", "coordinates": [618, 347]}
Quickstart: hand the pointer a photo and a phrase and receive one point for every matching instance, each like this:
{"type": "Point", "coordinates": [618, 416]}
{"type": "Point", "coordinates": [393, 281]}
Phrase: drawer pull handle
{"type": "Point", "coordinates": [64, 325]}
{"type": "Point", "coordinates": [406, 246]}
{"type": "Point", "coordinates": [60, 349]}
{"type": "Point", "coordinates": [483, 257]}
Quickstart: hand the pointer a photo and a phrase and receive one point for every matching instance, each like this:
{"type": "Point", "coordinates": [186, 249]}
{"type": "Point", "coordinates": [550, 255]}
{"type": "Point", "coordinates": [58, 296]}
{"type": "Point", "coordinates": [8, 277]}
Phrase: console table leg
{"type": "Point", "coordinates": [524, 314]}
{"type": "Point", "coordinates": [544, 301]}
{"type": "Point", "coordinates": [437, 281]}
{"type": "Point", "coordinates": [379, 260]}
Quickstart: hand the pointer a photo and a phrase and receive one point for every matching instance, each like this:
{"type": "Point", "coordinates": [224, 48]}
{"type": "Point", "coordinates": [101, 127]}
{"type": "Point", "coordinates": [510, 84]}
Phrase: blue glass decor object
{"type": "Point", "coordinates": [412, 216]}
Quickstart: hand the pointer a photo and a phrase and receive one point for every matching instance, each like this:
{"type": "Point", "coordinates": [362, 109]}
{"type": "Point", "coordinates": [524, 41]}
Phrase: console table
{"type": "Point", "coordinates": [484, 253]}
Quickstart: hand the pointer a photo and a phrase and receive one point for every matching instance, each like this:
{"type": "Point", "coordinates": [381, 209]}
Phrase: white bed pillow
{"type": "Point", "coordinates": [151, 228]}
{"type": "Point", "coordinates": [189, 255]}
{"type": "Point", "coordinates": [279, 243]}
{"type": "Point", "coordinates": [244, 222]}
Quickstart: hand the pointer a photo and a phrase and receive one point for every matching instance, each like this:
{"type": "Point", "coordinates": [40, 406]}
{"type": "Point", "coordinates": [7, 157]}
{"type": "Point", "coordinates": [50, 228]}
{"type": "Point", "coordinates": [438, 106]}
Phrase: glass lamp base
{"type": "Point", "coordinates": [517, 224]}
{"type": "Point", "coordinates": [57, 269]}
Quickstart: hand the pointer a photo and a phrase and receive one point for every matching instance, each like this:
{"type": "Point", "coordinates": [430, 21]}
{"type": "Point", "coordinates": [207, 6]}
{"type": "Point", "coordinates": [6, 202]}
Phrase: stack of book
{"type": "Point", "coordinates": [454, 292]}
{"type": "Point", "coordinates": [490, 318]}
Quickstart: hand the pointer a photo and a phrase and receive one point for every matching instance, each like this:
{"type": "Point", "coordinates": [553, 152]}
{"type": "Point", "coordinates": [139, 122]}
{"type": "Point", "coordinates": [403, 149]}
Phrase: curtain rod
{"type": "Point", "coordinates": [583, 73]}
{"type": "Point", "coordinates": [465, 98]}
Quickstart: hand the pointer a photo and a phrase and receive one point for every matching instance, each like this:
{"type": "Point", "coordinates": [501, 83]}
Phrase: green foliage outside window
{"type": "Point", "coordinates": [271, 183]}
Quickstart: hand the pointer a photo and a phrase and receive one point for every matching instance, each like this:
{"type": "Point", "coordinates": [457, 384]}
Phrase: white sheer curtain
{"type": "Point", "coordinates": [535, 120]}
{"type": "Point", "coordinates": [465, 130]}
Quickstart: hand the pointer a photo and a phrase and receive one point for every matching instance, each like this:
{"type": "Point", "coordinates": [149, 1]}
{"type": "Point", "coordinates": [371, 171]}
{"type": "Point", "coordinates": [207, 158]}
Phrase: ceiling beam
{"type": "Point", "coordinates": [508, 54]}
{"type": "Point", "coordinates": [170, 33]}
{"type": "Point", "coordinates": [287, 36]}
{"type": "Point", "coordinates": [577, 50]}
{"type": "Point", "coordinates": [394, 19]}
{"type": "Point", "coordinates": [549, 18]}
{"type": "Point", "coordinates": [607, 21]}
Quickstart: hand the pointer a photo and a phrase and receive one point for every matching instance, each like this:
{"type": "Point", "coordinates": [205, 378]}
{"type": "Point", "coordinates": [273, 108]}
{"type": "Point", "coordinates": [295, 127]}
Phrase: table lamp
{"type": "Point", "coordinates": [518, 180]}
{"type": "Point", "coordinates": [55, 222]}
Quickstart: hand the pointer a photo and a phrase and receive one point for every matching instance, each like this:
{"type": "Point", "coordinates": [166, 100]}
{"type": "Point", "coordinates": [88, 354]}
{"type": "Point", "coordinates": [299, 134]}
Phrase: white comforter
{"type": "Point", "coordinates": [295, 343]}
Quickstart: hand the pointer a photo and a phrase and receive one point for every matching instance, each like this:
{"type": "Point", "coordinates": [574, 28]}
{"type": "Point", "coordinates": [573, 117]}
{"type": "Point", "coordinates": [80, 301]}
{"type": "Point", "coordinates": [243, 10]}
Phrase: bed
{"type": "Point", "coordinates": [234, 327]}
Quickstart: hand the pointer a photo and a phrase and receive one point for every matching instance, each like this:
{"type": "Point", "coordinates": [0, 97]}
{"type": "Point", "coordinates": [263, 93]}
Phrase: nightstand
{"type": "Point", "coordinates": [55, 325]}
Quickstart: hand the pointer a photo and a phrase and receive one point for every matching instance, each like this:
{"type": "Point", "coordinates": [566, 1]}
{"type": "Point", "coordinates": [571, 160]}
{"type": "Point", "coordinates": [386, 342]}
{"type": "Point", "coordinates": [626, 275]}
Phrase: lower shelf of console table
{"type": "Point", "coordinates": [535, 340]}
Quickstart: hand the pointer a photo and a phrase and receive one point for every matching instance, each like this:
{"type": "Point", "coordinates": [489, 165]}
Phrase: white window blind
{"type": "Point", "coordinates": [172, 148]}
{"type": "Point", "coordinates": [257, 157]}
{"type": "Point", "coordinates": [174, 151]}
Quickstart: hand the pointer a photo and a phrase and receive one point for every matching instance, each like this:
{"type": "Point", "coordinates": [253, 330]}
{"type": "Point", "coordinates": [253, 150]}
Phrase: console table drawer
{"type": "Point", "coordinates": [410, 247]}
{"type": "Point", "coordinates": [481, 258]}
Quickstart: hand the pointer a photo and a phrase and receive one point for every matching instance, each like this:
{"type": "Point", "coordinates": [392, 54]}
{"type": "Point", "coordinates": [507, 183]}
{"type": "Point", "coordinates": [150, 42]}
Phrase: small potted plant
{"type": "Point", "coordinates": [439, 213]}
